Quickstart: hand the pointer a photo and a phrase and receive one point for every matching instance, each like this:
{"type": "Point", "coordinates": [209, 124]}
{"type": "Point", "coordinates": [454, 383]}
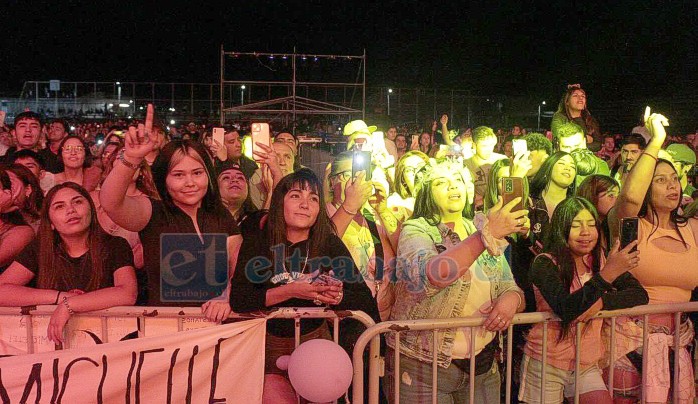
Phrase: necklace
{"type": "Point", "coordinates": [290, 276]}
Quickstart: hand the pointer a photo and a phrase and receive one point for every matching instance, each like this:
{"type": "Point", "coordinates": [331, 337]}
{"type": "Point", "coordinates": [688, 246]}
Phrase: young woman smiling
{"type": "Point", "coordinates": [445, 272]}
{"type": "Point", "coordinates": [183, 176]}
{"type": "Point", "coordinates": [572, 281]}
{"type": "Point", "coordinates": [72, 263]}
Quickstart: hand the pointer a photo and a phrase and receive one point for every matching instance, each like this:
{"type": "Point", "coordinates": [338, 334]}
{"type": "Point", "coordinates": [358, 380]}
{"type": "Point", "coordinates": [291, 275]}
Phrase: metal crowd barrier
{"type": "Point", "coordinates": [182, 313]}
{"type": "Point", "coordinates": [434, 325]}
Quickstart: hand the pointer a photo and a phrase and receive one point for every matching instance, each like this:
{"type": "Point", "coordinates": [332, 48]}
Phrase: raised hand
{"type": "Point", "coordinates": [357, 192]}
{"type": "Point", "coordinates": [266, 155]}
{"type": "Point", "coordinates": [521, 164]}
{"type": "Point", "coordinates": [444, 119]}
{"type": "Point", "coordinates": [655, 123]}
{"type": "Point", "coordinates": [137, 140]}
{"type": "Point", "coordinates": [620, 261]}
{"type": "Point", "coordinates": [379, 199]}
{"type": "Point", "coordinates": [502, 221]}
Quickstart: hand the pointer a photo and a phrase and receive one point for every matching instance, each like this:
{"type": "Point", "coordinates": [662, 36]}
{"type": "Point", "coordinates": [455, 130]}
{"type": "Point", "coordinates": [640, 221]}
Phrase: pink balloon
{"type": "Point", "coordinates": [320, 370]}
{"type": "Point", "coordinates": [282, 362]}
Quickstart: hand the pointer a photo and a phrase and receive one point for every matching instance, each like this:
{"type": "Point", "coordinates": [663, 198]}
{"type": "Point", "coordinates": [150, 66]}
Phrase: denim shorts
{"type": "Point", "coordinates": [559, 383]}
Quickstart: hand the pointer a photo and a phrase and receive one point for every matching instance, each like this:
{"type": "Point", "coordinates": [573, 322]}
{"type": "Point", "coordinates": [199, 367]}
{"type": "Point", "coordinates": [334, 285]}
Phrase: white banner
{"type": "Point", "coordinates": [222, 364]}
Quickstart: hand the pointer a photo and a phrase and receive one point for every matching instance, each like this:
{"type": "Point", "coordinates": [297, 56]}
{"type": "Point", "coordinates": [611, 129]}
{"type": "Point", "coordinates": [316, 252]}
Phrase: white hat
{"type": "Point", "coordinates": [358, 126]}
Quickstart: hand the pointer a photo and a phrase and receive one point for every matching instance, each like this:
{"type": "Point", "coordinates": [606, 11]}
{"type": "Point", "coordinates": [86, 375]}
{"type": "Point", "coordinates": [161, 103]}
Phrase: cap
{"type": "Point", "coordinates": [681, 152]}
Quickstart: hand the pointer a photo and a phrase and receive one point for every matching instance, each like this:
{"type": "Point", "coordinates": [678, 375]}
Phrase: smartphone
{"type": "Point", "coordinates": [361, 161]}
{"type": "Point", "coordinates": [2, 118]}
{"type": "Point", "coordinates": [219, 135]}
{"type": "Point", "coordinates": [512, 187]}
{"type": "Point", "coordinates": [519, 146]}
{"type": "Point", "coordinates": [628, 231]}
{"type": "Point", "coordinates": [327, 279]}
{"type": "Point", "coordinates": [260, 134]}
{"type": "Point", "coordinates": [415, 139]}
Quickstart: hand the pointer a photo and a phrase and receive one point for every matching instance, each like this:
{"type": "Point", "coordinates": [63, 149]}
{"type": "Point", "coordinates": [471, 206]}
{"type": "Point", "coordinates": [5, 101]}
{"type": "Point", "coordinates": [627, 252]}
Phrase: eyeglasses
{"type": "Point", "coordinates": [343, 175]}
{"type": "Point", "coordinates": [77, 149]}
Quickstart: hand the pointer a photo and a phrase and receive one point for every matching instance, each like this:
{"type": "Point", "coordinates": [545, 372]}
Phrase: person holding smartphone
{"type": "Point", "coordinates": [573, 280]}
{"type": "Point", "coordinates": [666, 240]}
{"type": "Point", "coordinates": [294, 259]}
{"type": "Point", "coordinates": [360, 213]}
{"type": "Point", "coordinates": [448, 269]}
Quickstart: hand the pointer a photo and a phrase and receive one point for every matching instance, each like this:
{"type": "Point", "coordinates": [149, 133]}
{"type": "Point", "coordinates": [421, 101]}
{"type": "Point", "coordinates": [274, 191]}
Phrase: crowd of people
{"type": "Point", "coordinates": [422, 231]}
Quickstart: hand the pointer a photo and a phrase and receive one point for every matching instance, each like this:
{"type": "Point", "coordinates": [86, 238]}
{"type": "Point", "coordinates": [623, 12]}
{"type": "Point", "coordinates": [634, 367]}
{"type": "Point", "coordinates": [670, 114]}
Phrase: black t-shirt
{"type": "Point", "coordinates": [177, 222]}
{"type": "Point", "coordinates": [51, 163]}
{"type": "Point", "coordinates": [74, 272]}
{"type": "Point", "coordinates": [248, 289]}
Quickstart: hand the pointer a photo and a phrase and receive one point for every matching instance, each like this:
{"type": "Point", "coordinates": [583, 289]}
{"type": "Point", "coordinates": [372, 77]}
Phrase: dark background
{"type": "Point", "coordinates": [623, 52]}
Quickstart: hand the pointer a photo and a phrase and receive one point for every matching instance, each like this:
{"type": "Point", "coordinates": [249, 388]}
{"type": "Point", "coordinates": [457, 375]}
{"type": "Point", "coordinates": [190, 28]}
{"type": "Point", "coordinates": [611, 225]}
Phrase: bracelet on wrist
{"type": "Point", "coordinates": [649, 155]}
{"type": "Point", "coordinates": [122, 158]}
{"type": "Point", "coordinates": [495, 246]}
{"type": "Point", "coordinates": [67, 305]}
{"type": "Point", "coordinates": [348, 211]}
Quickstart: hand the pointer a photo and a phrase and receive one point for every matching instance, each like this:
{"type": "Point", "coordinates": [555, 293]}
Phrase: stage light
{"type": "Point", "coordinates": [271, 56]}
{"type": "Point", "coordinates": [284, 57]}
{"type": "Point", "coordinates": [303, 57]}
{"type": "Point", "coordinates": [72, 128]}
{"type": "Point", "coordinates": [315, 59]}
{"type": "Point", "coordinates": [110, 105]}
{"type": "Point", "coordinates": [118, 83]}
{"type": "Point", "coordinates": [130, 101]}
{"type": "Point", "coordinates": [390, 90]}
{"type": "Point", "coordinates": [172, 109]}
{"type": "Point", "coordinates": [243, 87]}
{"type": "Point", "coordinates": [543, 103]}
{"type": "Point", "coordinates": [141, 108]}
{"type": "Point", "coordinates": [124, 105]}
{"type": "Point", "coordinates": [172, 121]}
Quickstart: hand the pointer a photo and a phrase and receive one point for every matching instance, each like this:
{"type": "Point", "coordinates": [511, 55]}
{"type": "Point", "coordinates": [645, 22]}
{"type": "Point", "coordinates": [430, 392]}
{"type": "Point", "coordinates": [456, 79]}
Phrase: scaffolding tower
{"type": "Point", "coordinates": [285, 100]}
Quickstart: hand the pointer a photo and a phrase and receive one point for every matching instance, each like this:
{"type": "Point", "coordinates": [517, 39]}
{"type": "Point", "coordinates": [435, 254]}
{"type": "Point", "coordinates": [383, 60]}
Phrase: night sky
{"type": "Point", "coordinates": [614, 48]}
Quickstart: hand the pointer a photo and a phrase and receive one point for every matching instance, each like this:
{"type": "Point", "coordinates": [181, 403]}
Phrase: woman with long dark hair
{"type": "Point", "coordinates": [28, 197]}
{"type": "Point", "coordinates": [553, 182]}
{"type": "Point", "coordinates": [15, 234]}
{"type": "Point", "coordinates": [602, 191]}
{"type": "Point", "coordinates": [668, 246]}
{"type": "Point", "coordinates": [72, 263]}
{"type": "Point", "coordinates": [401, 202]}
{"type": "Point", "coordinates": [75, 164]}
{"type": "Point", "coordinates": [573, 108]}
{"type": "Point", "coordinates": [446, 272]}
{"type": "Point", "coordinates": [571, 280]}
{"type": "Point", "coordinates": [184, 178]}
{"type": "Point", "coordinates": [296, 260]}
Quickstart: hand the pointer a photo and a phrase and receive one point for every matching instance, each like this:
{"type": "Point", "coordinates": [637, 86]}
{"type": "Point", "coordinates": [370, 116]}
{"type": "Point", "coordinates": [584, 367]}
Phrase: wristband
{"type": "Point", "coordinates": [127, 163]}
{"type": "Point", "coordinates": [347, 210]}
{"type": "Point", "coordinates": [647, 154]}
{"type": "Point", "coordinates": [494, 246]}
{"type": "Point", "coordinates": [67, 306]}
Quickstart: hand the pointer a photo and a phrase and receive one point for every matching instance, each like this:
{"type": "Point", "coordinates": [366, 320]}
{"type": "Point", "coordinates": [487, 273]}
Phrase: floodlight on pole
{"type": "Point", "coordinates": [390, 91]}
{"type": "Point", "coordinates": [539, 105]}
{"type": "Point", "coordinates": [242, 94]}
